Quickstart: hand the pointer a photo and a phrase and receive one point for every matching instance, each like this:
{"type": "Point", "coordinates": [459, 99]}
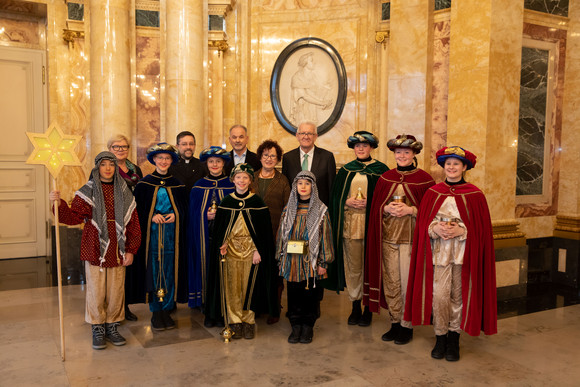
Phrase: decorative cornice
{"type": "Point", "coordinates": [545, 19]}
{"type": "Point", "coordinates": [506, 229]}
{"type": "Point", "coordinates": [220, 7]}
{"type": "Point", "coordinates": [147, 5]}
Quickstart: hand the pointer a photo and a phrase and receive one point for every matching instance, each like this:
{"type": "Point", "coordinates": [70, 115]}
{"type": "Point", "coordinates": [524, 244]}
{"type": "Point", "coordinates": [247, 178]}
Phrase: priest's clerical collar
{"type": "Point", "coordinates": [407, 168]}
{"type": "Point", "coordinates": [462, 181]}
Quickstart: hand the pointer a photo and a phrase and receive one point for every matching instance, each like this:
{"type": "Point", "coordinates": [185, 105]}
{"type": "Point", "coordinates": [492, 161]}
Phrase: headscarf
{"type": "Point", "coordinates": [92, 193]}
{"type": "Point", "coordinates": [314, 218]}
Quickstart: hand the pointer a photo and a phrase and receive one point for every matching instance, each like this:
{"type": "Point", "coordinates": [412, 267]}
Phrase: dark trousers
{"type": "Point", "coordinates": [303, 304]}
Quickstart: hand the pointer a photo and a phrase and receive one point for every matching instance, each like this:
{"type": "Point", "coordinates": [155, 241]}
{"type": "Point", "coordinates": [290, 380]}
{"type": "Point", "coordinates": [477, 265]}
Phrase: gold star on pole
{"type": "Point", "coordinates": [54, 149]}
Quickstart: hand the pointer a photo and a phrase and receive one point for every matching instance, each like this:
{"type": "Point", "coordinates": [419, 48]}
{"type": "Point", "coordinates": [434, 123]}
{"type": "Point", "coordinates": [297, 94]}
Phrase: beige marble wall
{"type": "Point", "coordinates": [410, 73]}
{"type": "Point", "coordinates": [484, 75]}
{"type": "Point", "coordinates": [569, 194]}
{"type": "Point", "coordinates": [347, 25]}
{"type": "Point", "coordinates": [442, 30]}
{"type": "Point", "coordinates": [148, 105]}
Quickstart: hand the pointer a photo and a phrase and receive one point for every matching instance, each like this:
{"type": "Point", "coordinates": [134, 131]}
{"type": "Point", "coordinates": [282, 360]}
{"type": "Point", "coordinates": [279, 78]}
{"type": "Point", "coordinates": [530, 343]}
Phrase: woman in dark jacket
{"type": "Point", "coordinates": [273, 188]}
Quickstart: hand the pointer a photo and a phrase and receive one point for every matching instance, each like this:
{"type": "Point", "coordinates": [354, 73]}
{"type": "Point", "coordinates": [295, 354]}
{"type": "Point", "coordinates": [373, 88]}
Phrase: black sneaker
{"type": "Point", "coordinates": [99, 336]}
{"type": "Point", "coordinates": [113, 335]}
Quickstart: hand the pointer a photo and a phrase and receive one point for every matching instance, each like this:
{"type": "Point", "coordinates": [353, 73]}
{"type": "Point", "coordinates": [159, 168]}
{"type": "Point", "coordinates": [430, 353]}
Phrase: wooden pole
{"type": "Point", "coordinates": [59, 272]}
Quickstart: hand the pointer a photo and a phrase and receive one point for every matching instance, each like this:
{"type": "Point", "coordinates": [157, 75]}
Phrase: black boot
{"type": "Point", "coordinates": [440, 347]}
{"type": "Point", "coordinates": [306, 335]}
{"type": "Point", "coordinates": [157, 323]}
{"type": "Point", "coordinates": [99, 336]}
{"type": "Point", "coordinates": [356, 313]}
{"type": "Point", "coordinates": [452, 352]}
{"type": "Point", "coordinates": [404, 336]}
{"type": "Point", "coordinates": [167, 320]}
{"type": "Point", "coordinates": [392, 333]}
{"type": "Point", "coordinates": [129, 316]}
{"type": "Point", "coordinates": [366, 319]}
{"type": "Point", "coordinates": [295, 335]}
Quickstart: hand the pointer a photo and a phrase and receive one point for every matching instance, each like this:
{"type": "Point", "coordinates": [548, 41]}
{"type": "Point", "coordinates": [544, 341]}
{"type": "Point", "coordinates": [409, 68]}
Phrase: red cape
{"type": "Point", "coordinates": [478, 273]}
{"type": "Point", "coordinates": [415, 184]}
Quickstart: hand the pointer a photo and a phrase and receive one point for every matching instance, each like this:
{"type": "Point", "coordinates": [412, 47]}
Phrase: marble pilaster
{"type": "Point", "coordinates": [569, 193]}
{"type": "Point", "coordinates": [410, 72]}
{"type": "Point", "coordinates": [185, 54]}
{"type": "Point", "coordinates": [484, 75]}
{"type": "Point", "coordinates": [110, 71]}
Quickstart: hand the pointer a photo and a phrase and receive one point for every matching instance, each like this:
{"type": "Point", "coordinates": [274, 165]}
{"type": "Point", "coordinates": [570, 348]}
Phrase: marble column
{"type": "Point", "coordinates": [484, 85]}
{"type": "Point", "coordinates": [185, 48]}
{"type": "Point", "coordinates": [110, 71]}
{"type": "Point", "coordinates": [409, 72]}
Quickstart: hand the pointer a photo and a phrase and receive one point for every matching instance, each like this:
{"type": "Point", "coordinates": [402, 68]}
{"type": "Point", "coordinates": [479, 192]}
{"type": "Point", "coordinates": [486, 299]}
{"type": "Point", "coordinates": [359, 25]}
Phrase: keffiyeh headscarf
{"type": "Point", "coordinates": [316, 211]}
{"type": "Point", "coordinates": [92, 193]}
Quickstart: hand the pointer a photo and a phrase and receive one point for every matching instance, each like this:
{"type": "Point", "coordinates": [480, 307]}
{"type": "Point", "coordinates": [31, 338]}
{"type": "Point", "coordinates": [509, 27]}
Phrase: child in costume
{"type": "Point", "coordinates": [243, 237]}
{"type": "Point", "coordinates": [304, 250]}
{"type": "Point", "coordinates": [206, 194]}
{"type": "Point", "coordinates": [350, 202]}
{"type": "Point", "coordinates": [452, 269]}
{"type": "Point", "coordinates": [162, 205]}
{"type": "Point", "coordinates": [110, 239]}
{"type": "Point", "coordinates": [392, 217]}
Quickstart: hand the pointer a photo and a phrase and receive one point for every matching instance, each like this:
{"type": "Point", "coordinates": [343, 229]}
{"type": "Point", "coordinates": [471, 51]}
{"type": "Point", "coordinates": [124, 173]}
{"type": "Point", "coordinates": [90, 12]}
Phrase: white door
{"type": "Point", "coordinates": [23, 191]}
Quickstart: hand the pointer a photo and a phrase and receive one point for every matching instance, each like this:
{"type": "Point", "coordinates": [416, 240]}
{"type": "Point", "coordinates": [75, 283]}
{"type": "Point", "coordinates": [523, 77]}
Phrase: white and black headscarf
{"type": "Point", "coordinates": [316, 211]}
{"type": "Point", "coordinates": [92, 193]}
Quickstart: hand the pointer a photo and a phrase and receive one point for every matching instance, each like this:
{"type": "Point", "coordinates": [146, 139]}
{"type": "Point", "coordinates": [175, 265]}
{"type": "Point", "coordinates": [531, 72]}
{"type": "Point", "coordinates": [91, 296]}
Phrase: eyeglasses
{"type": "Point", "coordinates": [120, 147]}
{"type": "Point", "coordinates": [271, 157]}
{"type": "Point", "coordinates": [304, 134]}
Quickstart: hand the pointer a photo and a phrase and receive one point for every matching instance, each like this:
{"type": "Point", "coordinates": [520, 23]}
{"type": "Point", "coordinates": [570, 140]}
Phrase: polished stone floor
{"type": "Point", "coordinates": [537, 349]}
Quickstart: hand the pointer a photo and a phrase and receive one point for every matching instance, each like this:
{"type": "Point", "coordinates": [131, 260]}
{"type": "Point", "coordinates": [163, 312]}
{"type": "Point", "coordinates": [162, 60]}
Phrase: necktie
{"type": "Point", "coordinates": [305, 163]}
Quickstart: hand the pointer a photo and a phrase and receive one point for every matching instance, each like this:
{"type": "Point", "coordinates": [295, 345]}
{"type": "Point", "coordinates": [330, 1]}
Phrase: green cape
{"type": "Point", "coordinates": [339, 194]}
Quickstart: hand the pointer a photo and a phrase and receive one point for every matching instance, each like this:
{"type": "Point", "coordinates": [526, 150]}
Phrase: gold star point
{"type": "Point", "coordinates": [54, 149]}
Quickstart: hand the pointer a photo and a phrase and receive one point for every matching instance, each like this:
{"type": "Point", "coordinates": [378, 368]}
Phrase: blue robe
{"type": "Point", "coordinates": [156, 194]}
{"type": "Point", "coordinates": [200, 198]}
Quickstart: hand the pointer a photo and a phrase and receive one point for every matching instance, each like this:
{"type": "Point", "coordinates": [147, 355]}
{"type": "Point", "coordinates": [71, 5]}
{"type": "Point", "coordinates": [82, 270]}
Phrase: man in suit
{"type": "Point", "coordinates": [240, 152]}
{"type": "Point", "coordinates": [311, 158]}
{"type": "Point", "coordinates": [188, 169]}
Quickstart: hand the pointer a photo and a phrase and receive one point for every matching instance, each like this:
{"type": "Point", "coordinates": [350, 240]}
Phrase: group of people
{"type": "Point", "coordinates": [222, 233]}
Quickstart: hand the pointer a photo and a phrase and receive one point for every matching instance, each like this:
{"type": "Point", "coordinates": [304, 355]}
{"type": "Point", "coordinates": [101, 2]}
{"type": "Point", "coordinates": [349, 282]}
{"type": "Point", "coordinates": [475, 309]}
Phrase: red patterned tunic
{"type": "Point", "coordinates": [81, 212]}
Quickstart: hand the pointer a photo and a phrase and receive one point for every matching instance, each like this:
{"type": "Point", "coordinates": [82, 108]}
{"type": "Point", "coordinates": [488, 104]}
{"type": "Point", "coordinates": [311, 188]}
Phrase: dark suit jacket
{"type": "Point", "coordinates": [188, 173]}
{"type": "Point", "coordinates": [323, 167]}
{"type": "Point", "coordinates": [251, 158]}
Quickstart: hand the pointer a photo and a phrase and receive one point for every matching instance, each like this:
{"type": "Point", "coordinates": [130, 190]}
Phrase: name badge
{"type": "Point", "coordinates": [297, 247]}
